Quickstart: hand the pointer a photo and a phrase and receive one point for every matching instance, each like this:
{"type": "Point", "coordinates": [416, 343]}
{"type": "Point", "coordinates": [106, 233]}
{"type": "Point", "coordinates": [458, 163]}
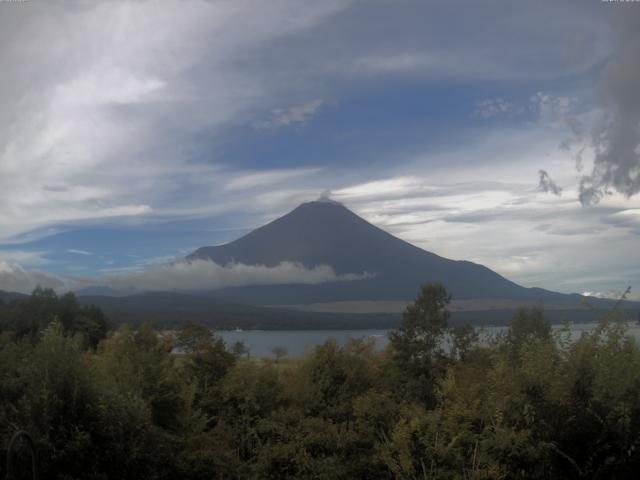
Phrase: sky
{"type": "Point", "coordinates": [505, 133]}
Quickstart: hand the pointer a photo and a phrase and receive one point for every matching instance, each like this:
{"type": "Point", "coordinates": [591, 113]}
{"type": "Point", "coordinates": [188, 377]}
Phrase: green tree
{"type": "Point", "coordinates": [463, 339]}
{"type": "Point", "coordinates": [26, 318]}
{"type": "Point", "coordinates": [526, 326]}
{"type": "Point", "coordinates": [207, 358]}
{"type": "Point", "coordinates": [417, 344]}
{"type": "Point", "coordinates": [279, 352]}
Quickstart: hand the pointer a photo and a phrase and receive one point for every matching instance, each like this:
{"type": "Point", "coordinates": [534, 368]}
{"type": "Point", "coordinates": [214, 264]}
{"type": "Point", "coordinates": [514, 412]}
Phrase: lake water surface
{"type": "Point", "coordinates": [298, 342]}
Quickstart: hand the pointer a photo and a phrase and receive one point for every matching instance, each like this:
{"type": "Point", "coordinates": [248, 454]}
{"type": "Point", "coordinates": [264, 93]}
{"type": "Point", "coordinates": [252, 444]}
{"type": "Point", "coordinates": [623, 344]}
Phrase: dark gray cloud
{"type": "Point", "coordinates": [547, 185]}
{"type": "Point", "coordinates": [615, 139]}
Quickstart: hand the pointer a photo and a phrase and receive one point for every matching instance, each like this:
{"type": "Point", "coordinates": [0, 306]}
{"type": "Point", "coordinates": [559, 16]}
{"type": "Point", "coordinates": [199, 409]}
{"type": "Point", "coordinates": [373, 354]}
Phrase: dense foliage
{"type": "Point", "coordinates": [527, 404]}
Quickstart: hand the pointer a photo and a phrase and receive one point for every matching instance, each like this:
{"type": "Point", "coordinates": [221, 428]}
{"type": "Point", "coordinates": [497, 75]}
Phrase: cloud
{"type": "Point", "coordinates": [492, 107]}
{"type": "Point", "coordinates": [23, 257]}
{"type": "Point", "coordinates": [577, 230]}
{"type": "Point", "coordinates": [614, 140]}
{"type": "Point", "coordinates": [136, 113]}
{"type": "Point", "coordinates": [463, 212]}
{"type": "Point", "coordinates": [398, 186]}
{"type": "Point", "coordinates": [204, 275]}
{"type": "Point", "coordinates": [177, 275]}
{"type": "Point", "coordinates": [612, 295]}
{"type": "Point", "coordinates": [250, 179]}
{"type": "Point", "coordinates": [79, 252]}
{"type": "Point", "coordinates": [283, 117]}
{"type": "Point", "coordinates": [14, 278]}
{"type": "Point", "coordinates": [534, 43]}
{"type": "Point", "coordinates": [148, 96]}
{"type": "Point", "coordinates": [548, 109]}
{"type": "Point", "coordinates": [547, 185]}
{"type": "Point", "coordinates": [140, 94]}
{"type": "Point", "coordinates": [548, 105]}
{"type": "Point", "coordinates": [629, 218]}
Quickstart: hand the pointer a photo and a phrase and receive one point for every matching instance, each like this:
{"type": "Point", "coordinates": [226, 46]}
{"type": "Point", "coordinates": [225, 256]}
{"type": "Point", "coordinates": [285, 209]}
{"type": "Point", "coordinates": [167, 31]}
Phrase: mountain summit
{"type": "Point", "coordinates": [328, 233]}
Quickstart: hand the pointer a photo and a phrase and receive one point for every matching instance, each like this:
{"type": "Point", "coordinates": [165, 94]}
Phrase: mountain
{"type": "Point", "coordinates": [10, 296]}
{"type": "Point", "coordinates": [327, 233]}
{"type": "Point", "coordinates": [98, 290]}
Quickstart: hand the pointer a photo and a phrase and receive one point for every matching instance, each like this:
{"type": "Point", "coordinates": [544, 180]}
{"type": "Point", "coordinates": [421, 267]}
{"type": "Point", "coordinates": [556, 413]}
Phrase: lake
{"type": "Point", "coordinates": [298, 342]}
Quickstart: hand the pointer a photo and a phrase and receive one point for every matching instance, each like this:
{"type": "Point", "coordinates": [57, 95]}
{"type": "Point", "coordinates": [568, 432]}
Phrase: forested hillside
{"type": "Point", "coordinates": [120, 405]}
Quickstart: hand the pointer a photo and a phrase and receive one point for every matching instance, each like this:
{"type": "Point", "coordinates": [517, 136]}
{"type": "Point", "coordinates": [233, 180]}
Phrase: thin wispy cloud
{"type": "Point", "coordinates": [260, 178]}
{"type": "Point", "coordinates": [79, 252]}
{"type": "Point", "coordinates": [296, 114]}
{"type": "Point", "coordinates": [492, 107]}
{"type": "Point", "coordinates": [24, 257]}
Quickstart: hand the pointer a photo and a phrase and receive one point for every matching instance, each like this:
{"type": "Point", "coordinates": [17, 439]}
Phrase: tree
{"type": "Point", "coordinates": [52, 396]}
{"type": "Point", "coordinates": [208, 358]}
{"type": "Point", "coordinates": [423, 323]}
{"type": "Point", "coordinates": [279, 352]}
{"type": "Point", "coordinates": [417, 344]}
{"type": "Point", "coordinates": [26, 318]}
{"type": "Point", "coordinates": [239, 349]}
{"type": "Point", "coordinates": [526, 326]}
{"type": "Point", "coordinates": [463, 337]}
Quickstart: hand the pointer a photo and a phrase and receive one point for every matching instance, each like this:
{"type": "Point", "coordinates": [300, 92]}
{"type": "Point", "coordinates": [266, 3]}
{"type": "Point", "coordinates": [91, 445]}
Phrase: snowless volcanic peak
{"type": "Point", "coordinates": [325, 232]}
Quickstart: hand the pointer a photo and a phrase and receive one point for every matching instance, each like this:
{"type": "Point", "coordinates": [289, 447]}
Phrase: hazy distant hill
{"type": "Point", "coordinates": [103, 291]}
{"type": "Point", "coordinates": [172, 308]}
{"type": "Point", "coordinates": [327, 233]}
{"type": "Point", "coordinates": [9, 296]}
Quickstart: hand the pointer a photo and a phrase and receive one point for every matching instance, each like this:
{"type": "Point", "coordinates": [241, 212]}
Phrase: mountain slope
{"type": "Point", "coordinates": [10, 296]}
{"type": "Point", "coordinates": [327, 233]}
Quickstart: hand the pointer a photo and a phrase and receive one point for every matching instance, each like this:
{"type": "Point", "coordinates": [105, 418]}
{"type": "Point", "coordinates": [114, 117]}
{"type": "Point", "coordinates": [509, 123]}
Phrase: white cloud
{"type": "Point", "coordinates": [14, 278]}
{"type": "Point", "coordinates": [105, 122]}
{"type": "Point", "coordinates": [119, 99]}
{"type": "Point", "coordinates": [398, 186]}
{"type": "Point", "coordinates": [203, 274]}
{"type": "Point", "coordinates": [631, 213]}
{"type": "Point", "coordinates": [550, 110]}
{"type": "Point", "coordinates": [79, 252]}
{"type": "Point", "coordinates": [116, 102]}
{"type": "Point", "coordinates": [178, 275]}
{"type": "Point", "coordinates": [251, 179]}
{"type": "Point", "coordinates": [547, 104]}
{"type": "Point", "coordinates": [23, 257]}
{"type": "Point", "coordinates": [612, 295]}
{"type": "Point", "coordinates": [492, 107]}
{"type": "Point", "coordinates": [480, 202]}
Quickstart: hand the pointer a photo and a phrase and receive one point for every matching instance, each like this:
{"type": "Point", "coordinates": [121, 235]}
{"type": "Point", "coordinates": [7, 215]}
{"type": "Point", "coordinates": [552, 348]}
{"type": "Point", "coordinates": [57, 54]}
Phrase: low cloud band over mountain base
{"type": "Point", "coordinates": [182, 275]}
